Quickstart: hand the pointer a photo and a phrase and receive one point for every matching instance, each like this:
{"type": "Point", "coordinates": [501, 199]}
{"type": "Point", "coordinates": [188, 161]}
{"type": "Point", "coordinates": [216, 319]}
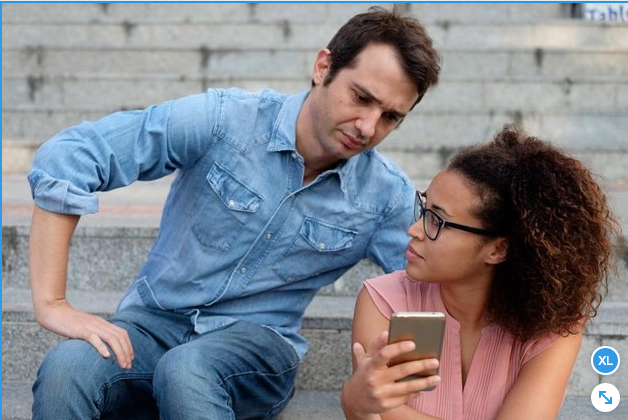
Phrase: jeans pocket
{"type": "Point", "coordinates": [222, 208]}
{"type": "Point", "coordinates": [319, 247]}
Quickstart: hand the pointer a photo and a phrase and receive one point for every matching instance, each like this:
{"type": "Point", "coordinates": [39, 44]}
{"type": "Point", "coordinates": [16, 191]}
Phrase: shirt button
{"type": "Point", "coordinates": [243, 270]}
{"type": "Point", "coordinates": [293, 155]}
{"type": "Point", "coordinates": [231, 203]}
{"type": "Point", "coordinates": [321, 245]}
{"type": "Point", "coordinates": [269, 236]}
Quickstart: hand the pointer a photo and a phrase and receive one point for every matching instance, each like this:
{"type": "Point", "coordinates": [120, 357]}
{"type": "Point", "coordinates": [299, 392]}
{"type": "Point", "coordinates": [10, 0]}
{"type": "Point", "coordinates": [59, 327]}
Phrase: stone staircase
{"type": "Point", "coordinates": [560, 77]}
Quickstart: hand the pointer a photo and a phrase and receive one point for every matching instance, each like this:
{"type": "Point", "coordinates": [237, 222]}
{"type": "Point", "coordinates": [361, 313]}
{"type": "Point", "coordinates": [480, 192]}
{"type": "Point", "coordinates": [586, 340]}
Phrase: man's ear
{"type": "Point", "coordinates": [322, 64]}
{"type": "Point", "coordinates": [499, 251]}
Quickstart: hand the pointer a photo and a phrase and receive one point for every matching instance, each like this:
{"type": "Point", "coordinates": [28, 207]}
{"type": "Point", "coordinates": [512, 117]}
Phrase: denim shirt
{"type": "Point", "coordinates": [241, 237]}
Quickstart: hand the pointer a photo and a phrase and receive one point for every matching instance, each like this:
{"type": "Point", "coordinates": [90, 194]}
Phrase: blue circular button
{"type": "Point", "coordinates": [605, 360]}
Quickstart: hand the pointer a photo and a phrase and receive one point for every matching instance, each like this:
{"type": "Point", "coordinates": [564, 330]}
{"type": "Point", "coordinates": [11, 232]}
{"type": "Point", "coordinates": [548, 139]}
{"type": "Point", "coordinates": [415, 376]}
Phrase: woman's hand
{"type": "Point", "coordinates": [375, 387]}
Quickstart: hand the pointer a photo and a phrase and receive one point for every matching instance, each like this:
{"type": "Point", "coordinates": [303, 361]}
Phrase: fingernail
{"type": "Point", "coordinates": [408, 345]}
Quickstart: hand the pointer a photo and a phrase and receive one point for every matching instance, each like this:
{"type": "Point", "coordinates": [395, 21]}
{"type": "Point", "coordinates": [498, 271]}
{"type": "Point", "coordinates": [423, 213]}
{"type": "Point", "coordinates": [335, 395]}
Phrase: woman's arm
{"type": "Point", "coordinates": [373, 388]}
{"type": "Point", "coordinates": [540, 388]}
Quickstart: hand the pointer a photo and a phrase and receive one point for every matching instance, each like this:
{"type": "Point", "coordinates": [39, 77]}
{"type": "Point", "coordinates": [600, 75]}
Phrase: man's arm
{"type": "Point", "coordinates": [49, 251]}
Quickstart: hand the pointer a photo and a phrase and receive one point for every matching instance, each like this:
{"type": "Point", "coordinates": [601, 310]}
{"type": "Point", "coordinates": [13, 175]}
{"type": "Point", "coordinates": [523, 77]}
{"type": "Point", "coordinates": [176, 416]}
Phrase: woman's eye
{"type": "Point", "coordinates": [433, 220]}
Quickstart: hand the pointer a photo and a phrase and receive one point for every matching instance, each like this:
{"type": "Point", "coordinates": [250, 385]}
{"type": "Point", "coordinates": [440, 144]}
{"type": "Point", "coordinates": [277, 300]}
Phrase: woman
{"type": "Point", "coordinates": [513, 243]}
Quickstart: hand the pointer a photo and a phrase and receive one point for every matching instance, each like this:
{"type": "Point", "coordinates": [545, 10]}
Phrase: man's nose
{"type": "Point", "coordinates": [367, 123]}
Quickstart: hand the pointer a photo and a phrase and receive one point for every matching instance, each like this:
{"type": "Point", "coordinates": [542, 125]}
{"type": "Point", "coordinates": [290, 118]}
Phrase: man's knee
{"type": "Point", "coordinates": [66, 364]}
{"type": "Point", "coordinates": [183, 367]}
{"type": "Point", "coordinates": [64, 385]}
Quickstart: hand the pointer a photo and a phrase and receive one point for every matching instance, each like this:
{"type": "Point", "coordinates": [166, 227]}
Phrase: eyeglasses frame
{"type": "Point", "coordinates": [420, 209]}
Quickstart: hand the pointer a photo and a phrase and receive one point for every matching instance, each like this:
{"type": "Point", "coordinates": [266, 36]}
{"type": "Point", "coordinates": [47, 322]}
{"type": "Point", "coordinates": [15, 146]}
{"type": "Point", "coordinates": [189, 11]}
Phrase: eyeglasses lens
{"type": "Point", "coordinates": [431, 224]}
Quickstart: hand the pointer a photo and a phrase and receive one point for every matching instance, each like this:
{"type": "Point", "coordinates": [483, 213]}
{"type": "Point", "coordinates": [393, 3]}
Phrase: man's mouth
{"type": "Point", "coordinates": [351, 142]}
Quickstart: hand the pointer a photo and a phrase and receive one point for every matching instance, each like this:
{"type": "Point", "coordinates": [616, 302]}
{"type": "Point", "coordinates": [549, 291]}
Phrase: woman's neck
{"type": "Point", "coordinates": [466, 303]}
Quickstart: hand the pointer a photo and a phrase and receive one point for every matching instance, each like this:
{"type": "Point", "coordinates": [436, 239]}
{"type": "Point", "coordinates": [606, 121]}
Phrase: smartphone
{"type": "Point", "coordinates": [426, 329]}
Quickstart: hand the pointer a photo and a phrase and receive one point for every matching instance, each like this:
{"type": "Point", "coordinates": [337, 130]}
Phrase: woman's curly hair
{"type": "Point", "coordinates": [559, 228]}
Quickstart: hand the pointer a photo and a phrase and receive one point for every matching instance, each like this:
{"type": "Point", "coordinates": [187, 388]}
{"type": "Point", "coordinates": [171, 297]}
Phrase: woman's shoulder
{"type": "Point", "coordinates": [401, 293]}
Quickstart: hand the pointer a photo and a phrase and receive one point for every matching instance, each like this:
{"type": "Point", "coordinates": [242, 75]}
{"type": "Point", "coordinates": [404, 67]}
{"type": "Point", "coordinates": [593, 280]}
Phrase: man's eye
{"type": "Point", "coordinates": [361, 98]}
{"type": "Point", "coordinates": [391, 116]}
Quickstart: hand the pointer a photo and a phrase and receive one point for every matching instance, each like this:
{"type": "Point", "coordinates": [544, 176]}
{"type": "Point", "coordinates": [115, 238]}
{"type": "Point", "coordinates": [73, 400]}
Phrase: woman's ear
{"type": "Point", "coordinates": [322, 64]}
{"type": "Point", "coordinates": [499, 251]}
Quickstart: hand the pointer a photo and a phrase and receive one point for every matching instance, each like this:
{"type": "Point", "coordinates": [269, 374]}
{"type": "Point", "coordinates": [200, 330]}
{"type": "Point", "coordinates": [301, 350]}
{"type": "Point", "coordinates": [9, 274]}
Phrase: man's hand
{"type": "Point", "coordinates": [64, 320]}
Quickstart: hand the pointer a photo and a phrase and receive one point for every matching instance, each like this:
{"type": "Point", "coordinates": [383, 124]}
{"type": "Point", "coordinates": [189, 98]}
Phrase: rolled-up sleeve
{"type": "Point", "coordinates": [119, 149]}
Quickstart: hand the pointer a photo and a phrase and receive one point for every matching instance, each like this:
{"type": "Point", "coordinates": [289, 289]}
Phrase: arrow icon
{"type": "Point", "coordinates": [608, 400]}
{"type": "Point", "coordinates": [605, 397]}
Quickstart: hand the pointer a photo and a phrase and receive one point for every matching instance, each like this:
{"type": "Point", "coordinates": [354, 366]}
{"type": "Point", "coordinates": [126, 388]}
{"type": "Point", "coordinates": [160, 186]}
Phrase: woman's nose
{"type": "Point", "coordinates": [416, 230]}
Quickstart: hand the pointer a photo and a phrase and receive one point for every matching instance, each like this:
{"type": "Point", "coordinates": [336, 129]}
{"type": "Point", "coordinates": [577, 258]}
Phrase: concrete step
{"type": "Point", "coordinates": [264, 13]}
{"type": "Point", "coordinates": [290, 35]}
{"type": "Point", "coordinates": [533, 64]}
{"type": "Point", "coordinates": [306, 405]}
{"type": "Point", "coordinates": [326, 325]}
{"type": "Point", "coordinates": [426, 158]}
{"type": "Point", "coordinates": [123, 231]}
{"type": "Point", "coordinates": [123, 250]}
{"type": "Point", "coordinates": [560, 95]}
{"type": "Point", "coordinates": [75, 69]}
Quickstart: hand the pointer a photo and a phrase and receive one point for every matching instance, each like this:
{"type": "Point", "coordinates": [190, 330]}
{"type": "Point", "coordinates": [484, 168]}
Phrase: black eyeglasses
{"type": "Point", "coordinates": [433, 224]}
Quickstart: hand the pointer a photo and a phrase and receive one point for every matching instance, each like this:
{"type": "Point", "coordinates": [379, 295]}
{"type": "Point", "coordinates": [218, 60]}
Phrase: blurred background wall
{"type": "Point", "coordinates": [545, 66]}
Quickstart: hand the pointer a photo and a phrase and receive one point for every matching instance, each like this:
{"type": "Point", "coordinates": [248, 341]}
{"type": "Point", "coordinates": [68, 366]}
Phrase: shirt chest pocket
{"type": "Point", "coordinates": [223, 207]}
{"type": "Point", "coordinates": [319, 247]}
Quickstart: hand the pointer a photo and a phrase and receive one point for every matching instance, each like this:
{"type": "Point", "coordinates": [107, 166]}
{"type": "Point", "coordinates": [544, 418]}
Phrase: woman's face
{"type": "Point", "coordinates": [455, 255]}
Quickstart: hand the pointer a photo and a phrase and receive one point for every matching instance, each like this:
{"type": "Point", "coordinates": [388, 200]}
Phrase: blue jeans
{"type": "Point", "coordinates": [243, 371]}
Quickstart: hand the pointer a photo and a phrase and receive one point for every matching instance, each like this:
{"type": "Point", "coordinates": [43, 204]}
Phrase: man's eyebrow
{"type": "Point", "coordinates": [366, 92]}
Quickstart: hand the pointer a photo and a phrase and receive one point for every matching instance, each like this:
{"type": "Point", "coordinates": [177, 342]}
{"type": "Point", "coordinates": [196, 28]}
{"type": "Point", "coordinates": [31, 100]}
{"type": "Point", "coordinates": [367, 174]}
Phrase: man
{"type": "Point", "coordinates": [275, 196]}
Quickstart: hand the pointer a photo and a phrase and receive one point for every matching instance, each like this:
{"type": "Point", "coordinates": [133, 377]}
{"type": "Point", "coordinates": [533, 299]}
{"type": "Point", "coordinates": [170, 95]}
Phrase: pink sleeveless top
{"type": "Point", "coordinates": [496, 362]}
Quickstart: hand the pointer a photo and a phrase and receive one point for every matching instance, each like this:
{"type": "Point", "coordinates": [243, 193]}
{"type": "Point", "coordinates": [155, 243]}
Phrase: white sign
{"type": "Point", "coordinates": [609, 12]}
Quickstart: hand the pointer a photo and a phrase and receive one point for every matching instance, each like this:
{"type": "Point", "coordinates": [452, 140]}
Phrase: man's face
{"type": "Point", "coordinates": [361, 105]}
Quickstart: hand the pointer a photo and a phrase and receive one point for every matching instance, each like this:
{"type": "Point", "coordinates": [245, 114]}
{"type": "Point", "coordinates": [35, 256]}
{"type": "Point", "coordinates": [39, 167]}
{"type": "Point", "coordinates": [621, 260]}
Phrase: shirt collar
{"type": "Point", "coordinates": [284, 136]}
{"type": "Point", "coordinates": [285, 128]}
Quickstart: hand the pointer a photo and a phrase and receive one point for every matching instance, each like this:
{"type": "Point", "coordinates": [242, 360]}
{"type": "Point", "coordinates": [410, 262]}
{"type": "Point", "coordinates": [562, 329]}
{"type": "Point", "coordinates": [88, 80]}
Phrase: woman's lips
{"type": "Point", "coordinates": [412, 254]}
